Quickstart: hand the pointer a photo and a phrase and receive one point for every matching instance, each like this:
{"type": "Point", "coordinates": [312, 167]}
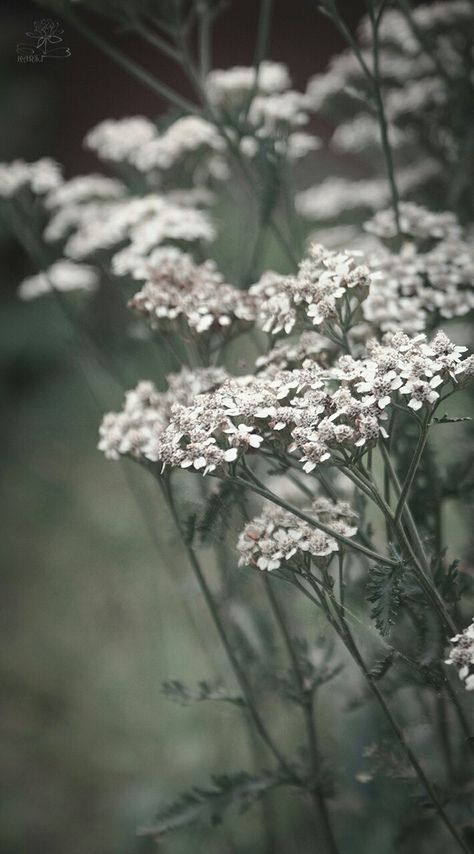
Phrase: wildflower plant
{"type": "Point", "coordinates": [305, 402]}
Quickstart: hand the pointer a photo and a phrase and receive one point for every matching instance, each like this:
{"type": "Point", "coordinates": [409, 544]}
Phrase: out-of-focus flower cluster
{"type": "Point", "coordinates": [425, 65]}
{"type": "Point", "coordinates": [258, 106]}
{"type": "Point", "coordinates": [278, 537]}
{"type": "Point", "coordinates": [41, 177]}
{"type": "Point", "coordinates": [431, 273]}
{"type": "Point", "coordinates": [176, 288]}
{"type": "Point", "coordinates": [334, 197]}
{"type": "Point", "coordinates": [190, 147]}
{"type": "Point", "coordinates": [63, 275]}
{"type": "Point", "coordinates": [142, 221]}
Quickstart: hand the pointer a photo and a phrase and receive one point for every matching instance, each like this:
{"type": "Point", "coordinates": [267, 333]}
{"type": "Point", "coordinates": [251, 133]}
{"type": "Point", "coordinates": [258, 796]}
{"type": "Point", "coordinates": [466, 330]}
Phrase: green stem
{"type": "Point", "coordinates": [213, 610]}
{"type": "Point", "coordinates": [466, 727]}
{"type": "Point", "coordinates": [263, 33]}
{"type": "Point", "coordinates": [156, 41]}
{"type": "Point", "coordinates": [307, 703]}
{"type": "Point", "coordinates": [345, 634]}
{"type": "Point", "coordinates": [265, 493]}
{"type": "Point", "coordinates": [410, 522]}
{"type": "Point", "coordinates": [373, 79]}
{"type": "Point", "coordinates": [136, 71]}
{"type": "Point", "coordinates": [421, 572]}
{"type": "Point", "coordinates": [233, 147]}
{"type": "Point", "coordinates": [205, 43]}
{"type": "Point", "coordinates": [376, 82]}
{"type": "Point", "coordinates": [415, 460]}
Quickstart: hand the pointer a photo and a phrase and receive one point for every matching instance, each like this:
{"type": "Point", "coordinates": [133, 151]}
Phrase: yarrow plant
{"type": "Point", "coordinates": [307, 395]}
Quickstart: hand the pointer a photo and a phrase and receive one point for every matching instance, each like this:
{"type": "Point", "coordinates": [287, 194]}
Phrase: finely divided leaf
{"type": "Point", "coordinates": [214, 521]}
{"type": "Point", "coordinates": [208, 805]}
{"type": "Point", "coordinates": [180, 693]}
{"type": "Point", "coordinates": [384, 592]}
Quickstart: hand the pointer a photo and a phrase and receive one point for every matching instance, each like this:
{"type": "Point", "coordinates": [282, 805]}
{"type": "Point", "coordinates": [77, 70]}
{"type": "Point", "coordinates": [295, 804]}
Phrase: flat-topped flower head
{"type": "Point", "coordinates": [315, 296]}
{"type": "Point", "coordinates": [461, 655]}
{"type": "Point", "coordinates": [416, 223]}
{"type": "Point", "coordinates": [40, 177]}
{"type": "Point", "coordinates": [118, 140]}
{"type": "Point", "coordinates": [314, 412]}
{"type": "Point", "coordinates": [230, 88]}
{"type": "Point", "coordinates": [137, 428]}
{"type": "Point", "coordinates": [278, 538]}
{"type": "Point", "coordinates": [190, 142]}
{"type": "Point", "coordinates": [63, 276]}
{"type": "Point", "coordinates": [142, 222]}
{"type": "Point", "coordinates": [178, 289]}
{"type": "Point", "coordinates": [84, 188]}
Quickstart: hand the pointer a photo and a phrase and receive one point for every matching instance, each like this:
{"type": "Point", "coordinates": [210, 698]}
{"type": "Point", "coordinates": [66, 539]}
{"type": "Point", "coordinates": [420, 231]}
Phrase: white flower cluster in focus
{"type": "Point", "coordinates": [462, 656]}
{"type": "Point", "coordinates": [278, 536]}
{"type": "Point", "coordinates": [146, 412]}
{"type": "Point", "coordinates": [311, 412]}
{"type": "Point", "coordinates": [327, 282]}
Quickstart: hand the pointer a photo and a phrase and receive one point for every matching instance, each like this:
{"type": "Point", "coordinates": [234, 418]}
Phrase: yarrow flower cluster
{"type": "Point", "coordinates": [335, 196]}
{"type": "Point", "coordinates": [188, 138]}
{"type": "Point", "coordinates": [425, 74]}
{"type": "Point", "coordinates": [292, 353]}
{"type": "Point", "coordinates": [327, 282]}
{"type": "Point", "coordinates": [144, 222]}
{"type": "Point", "coordinates": [118, 140]}
{"type": "Point", "coordinates": [416, 223]}
{"type": "Point", "coordinates": [461, 656]}
{"type": "Point", "coordinates": [309, 411]}
{"type": "Point", "coordinates": [230, 88]}
{"type": "Point", "coordinates": [258, 106]}
{"type": "Point", "coordinates": [84, 188]}
{"type": "Point", "coordinates": [40, 177]}
{"type": "Point", "coordinates": [63, 275]}
{"type": "Point", "coordinates": [176, 288]}
{"type": "Point", "coordinates": [431, 273]}
{"type": "Point", "coordinates": [323, 364]}
{"type": "Point", "coordinates": [279, 538]}
{"type": "Point", "coordinates": [146, 412]}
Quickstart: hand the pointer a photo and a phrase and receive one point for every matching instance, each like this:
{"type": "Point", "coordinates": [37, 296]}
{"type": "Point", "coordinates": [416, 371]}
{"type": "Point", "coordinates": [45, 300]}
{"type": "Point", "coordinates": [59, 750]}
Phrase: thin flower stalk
{"type": "Point", "coordinates": [342, 629]}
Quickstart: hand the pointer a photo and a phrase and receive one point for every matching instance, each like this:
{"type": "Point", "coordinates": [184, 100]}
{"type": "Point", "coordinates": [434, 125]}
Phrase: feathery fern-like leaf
{"type": "Point", "coordinates": [208, 805]}
{"type": "Point", "coordinates": [384, 593]}
{"type": "Point", "coordinates": [181, 693]}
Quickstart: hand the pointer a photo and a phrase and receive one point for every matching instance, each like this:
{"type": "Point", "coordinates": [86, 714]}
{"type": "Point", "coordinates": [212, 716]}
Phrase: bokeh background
{"type": "Point", "coordinates": [92, 622]}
